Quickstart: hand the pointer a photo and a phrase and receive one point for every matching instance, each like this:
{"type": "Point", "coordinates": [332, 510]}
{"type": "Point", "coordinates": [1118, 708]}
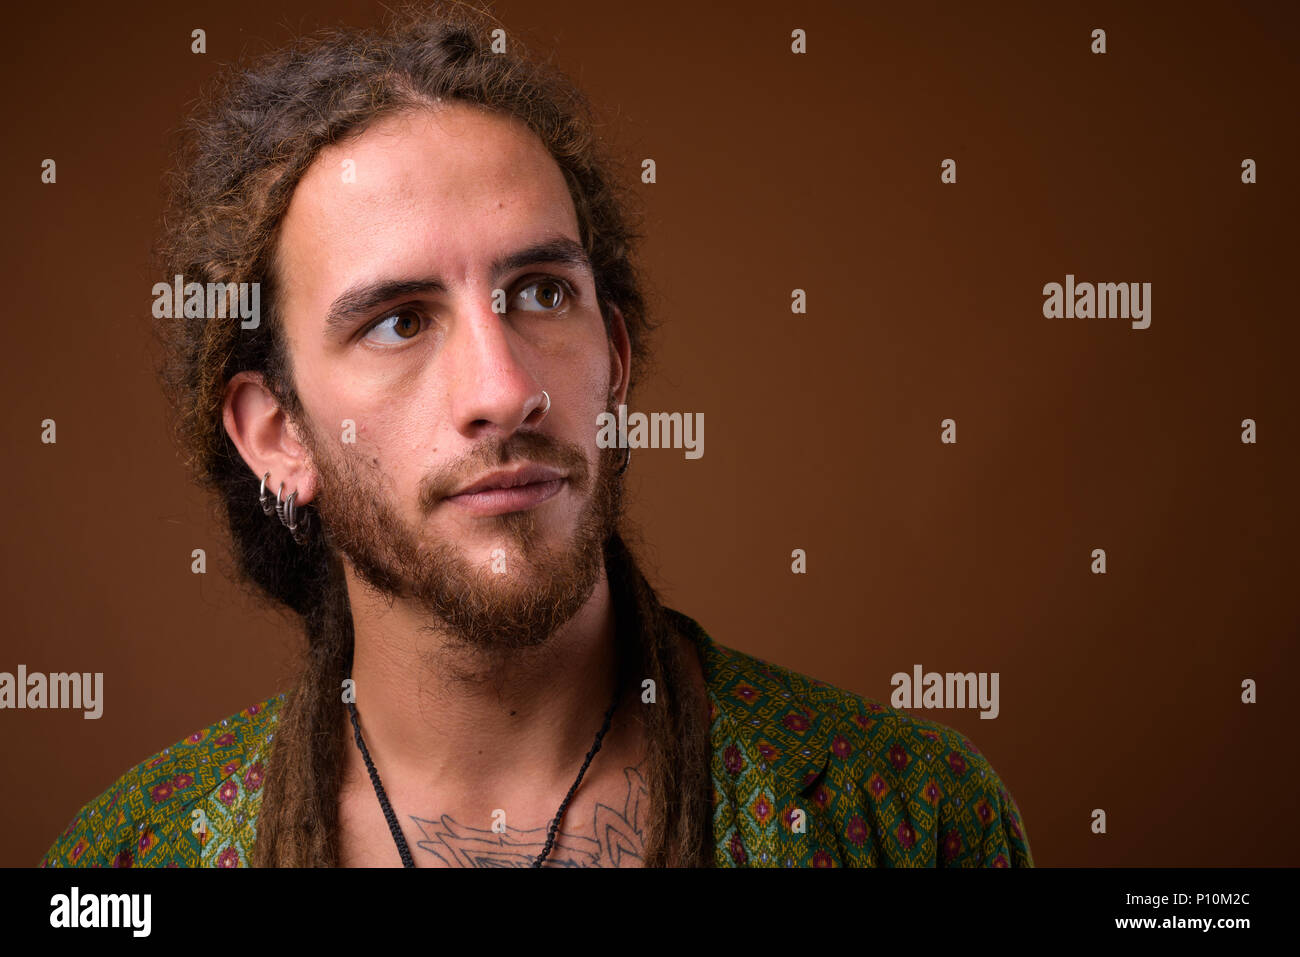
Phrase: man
{"type": "Point", "coordinates": [406, 447]}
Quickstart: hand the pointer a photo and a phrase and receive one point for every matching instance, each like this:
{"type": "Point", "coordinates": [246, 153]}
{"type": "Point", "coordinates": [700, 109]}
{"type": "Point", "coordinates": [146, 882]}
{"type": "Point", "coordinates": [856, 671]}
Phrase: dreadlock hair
{"type": "Point", "coordinates": [241, 153]}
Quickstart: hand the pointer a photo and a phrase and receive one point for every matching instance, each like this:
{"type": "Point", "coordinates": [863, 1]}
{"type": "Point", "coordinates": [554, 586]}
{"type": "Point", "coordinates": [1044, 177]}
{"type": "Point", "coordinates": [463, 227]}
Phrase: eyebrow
{"type": "Point", "coordinates": [361, 298]}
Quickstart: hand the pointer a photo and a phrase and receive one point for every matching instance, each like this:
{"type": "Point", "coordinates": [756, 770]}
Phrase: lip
{"type": "Point", "coordinates": [509, 491]}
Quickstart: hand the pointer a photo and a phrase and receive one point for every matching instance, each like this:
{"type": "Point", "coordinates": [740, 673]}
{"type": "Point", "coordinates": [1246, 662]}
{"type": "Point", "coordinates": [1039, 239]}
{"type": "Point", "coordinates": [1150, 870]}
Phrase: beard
{"type": "Point", "coordinates": [516, 599]}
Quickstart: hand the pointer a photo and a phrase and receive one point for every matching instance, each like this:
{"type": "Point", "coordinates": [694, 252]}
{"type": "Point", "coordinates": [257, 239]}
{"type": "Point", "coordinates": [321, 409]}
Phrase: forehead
{"type": "Point", "coordinates": [445, 190]}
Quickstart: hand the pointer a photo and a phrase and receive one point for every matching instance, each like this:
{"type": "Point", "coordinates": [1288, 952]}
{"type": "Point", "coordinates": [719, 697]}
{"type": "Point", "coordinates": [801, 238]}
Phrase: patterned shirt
{"type": "Point", "coordinates": [804, 775]}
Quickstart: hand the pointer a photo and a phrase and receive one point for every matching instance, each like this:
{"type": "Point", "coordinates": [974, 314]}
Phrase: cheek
{"type": "Point", "coordinates": [589, 389]}
{"type": "Point", "coordinates": [382, 442]}
{"type": "Point", "coordinates": [594, 371]}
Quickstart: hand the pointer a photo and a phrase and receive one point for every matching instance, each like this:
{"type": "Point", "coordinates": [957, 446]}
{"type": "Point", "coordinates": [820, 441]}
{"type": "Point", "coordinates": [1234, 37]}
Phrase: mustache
{"type": "Point", "coordinates": [521, 448]}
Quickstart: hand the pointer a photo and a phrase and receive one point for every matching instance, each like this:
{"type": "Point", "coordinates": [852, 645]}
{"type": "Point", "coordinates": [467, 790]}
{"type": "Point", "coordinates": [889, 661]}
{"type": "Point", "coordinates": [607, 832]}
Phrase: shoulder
{"type": "Point", "coordinates": [154, 814]}
{"type": "Point", "coordinates": [897, 789]}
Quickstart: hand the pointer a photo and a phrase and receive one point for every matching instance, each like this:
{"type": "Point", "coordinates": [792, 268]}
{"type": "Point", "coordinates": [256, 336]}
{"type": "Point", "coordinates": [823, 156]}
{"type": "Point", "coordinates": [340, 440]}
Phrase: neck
{"type": "Point", "coordinates": [455, 720]}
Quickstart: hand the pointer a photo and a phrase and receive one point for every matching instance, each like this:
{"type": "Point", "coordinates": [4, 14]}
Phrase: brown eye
{"type": "Point", "coordinates": [405, 323]}
{"type": "Point", "coordinates": [546, 293]}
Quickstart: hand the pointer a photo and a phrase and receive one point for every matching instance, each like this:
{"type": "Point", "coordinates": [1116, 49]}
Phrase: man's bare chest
{"type": "Point", "coordinates": [603, 826]}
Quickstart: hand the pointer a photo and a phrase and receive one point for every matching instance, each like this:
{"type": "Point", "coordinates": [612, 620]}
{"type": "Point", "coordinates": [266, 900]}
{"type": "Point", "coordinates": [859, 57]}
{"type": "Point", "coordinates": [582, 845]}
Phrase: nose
{"type": "Point", "coordinates": [495, 391]}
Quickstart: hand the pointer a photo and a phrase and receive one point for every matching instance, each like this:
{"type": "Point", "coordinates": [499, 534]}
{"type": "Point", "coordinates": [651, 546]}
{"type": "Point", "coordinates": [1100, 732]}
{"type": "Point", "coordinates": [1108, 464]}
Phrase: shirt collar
{"type": "Point", "coordinates": [781, 734]}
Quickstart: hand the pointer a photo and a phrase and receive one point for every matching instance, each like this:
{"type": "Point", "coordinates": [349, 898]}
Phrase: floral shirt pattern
{"type": "Point", "coordinates": [804, 775]}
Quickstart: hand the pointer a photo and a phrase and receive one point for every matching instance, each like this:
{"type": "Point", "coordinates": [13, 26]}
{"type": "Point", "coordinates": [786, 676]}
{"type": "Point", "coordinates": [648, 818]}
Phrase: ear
{"type": "Point", "coordinates": [266, 439]}
{"type": "Point", "coordinates": [620, 356]}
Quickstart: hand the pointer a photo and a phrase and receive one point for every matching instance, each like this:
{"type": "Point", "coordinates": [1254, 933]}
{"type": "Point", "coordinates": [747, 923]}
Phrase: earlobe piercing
{"type": "Point", "coordinates": [267, 505]}
{"type": "Point", "coordinates": [286, 509]}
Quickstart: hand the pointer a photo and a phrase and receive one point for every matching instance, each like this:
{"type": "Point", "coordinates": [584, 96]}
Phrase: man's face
{"type": "Point", "coordinates": [388, 259]}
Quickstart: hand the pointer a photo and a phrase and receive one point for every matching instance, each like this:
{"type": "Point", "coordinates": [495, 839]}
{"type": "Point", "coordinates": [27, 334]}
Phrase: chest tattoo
{"type": "Point", "coordinates": [613, 837]}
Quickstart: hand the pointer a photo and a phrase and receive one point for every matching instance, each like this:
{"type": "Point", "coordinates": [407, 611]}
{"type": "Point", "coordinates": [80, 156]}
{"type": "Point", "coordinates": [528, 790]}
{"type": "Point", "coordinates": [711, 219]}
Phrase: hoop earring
{"type": "Point", "coordinates": [627, 460]}
{"type": "Point", "coordinates": [297, 523]}
{"type": "Point", "coordinates": [289, 517]}
{"type": "Point", "coordinates": [267, 505]}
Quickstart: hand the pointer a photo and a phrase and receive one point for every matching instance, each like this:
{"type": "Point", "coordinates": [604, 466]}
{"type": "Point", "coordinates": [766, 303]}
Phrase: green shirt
{"type": "Point", "coordinates": [804, 775]}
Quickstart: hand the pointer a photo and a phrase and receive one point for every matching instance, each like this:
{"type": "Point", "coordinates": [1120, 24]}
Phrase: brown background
{"type": "Point", "coordinates": [777, 171]}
